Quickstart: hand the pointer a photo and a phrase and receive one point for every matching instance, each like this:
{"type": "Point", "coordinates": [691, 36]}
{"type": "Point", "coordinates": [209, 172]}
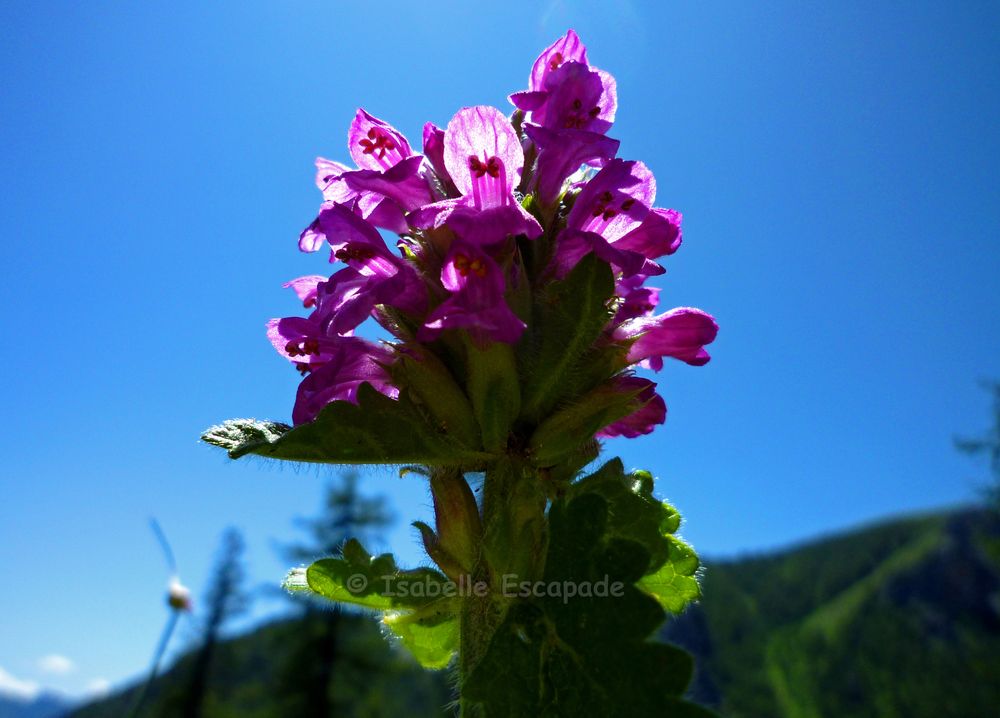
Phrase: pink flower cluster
{"type": "Point", "coordinates": [484, 188]}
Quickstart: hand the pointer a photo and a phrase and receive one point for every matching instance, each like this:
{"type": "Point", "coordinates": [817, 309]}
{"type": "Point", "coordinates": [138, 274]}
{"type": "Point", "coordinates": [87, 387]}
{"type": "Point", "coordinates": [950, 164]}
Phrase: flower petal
{"type": "Point", "coordinates": [615, 201]}
{"type": "Point", "coordinates": [434, 151]}
{"type": "Point", "coordinates": [568, 48]}
{"type": "Point", "coordinates": [636, 300]}
{"type": "Point", "coordinates": [658, 235]}
{"type": "Point", "coordinates": [402, 183]}
{"type": "Point", "coordinates": [576, 100]}
{"type": "Point", "coordinates": [642, 421]}
{"type": "Point", "coordinates": [483, 155]}
{"type": "Point", "coordinates": [305, 288]}
{"type": "Point", "coordinates": [477, 301]}
{"type": "Point", "coordinates": [681, 333]}
{"type": "Point", "coordinates": [375, 144]}
{"type": "Point", "coordinates": [562, 152]}
{"type": "Point", "coordinates": [353, 362]}
{"type": "Point", "coordinates": [491, 226]}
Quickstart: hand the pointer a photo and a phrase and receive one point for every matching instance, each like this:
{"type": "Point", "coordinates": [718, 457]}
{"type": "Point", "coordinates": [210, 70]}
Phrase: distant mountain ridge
{"type": "Point", "coordinates": [44, 705]}
{"type": "Point", "coordinates": [896, 619]}
{"type": "Point", "coordinates": [899, 619]}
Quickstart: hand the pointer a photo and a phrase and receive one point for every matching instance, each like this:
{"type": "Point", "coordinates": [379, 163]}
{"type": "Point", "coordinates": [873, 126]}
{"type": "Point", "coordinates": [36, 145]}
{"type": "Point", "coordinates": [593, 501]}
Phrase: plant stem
{"type": "Point", "coordinates": [512, 551]}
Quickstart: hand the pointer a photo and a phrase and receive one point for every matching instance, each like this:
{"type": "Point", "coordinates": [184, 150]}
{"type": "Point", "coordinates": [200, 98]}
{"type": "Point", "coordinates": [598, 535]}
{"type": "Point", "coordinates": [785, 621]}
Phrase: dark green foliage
{"type": "Point", "coordinates": [897, 621]}
{"type": "Point", "coordinates": [495, 391]}
{"type": "Point", "coordinates": [635, 514]}
{"type": "Point", "coordinates": [432, 385]}
{"type": "Point", "coordinates": [588, 656]}
{"type": "Point", "coordinates": [265, 675]}
{"type": "Point", "coordinates": [558, 438]}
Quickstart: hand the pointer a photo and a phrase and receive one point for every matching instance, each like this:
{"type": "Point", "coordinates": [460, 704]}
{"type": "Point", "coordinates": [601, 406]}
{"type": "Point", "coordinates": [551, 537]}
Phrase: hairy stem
{"type": "Point", "coordinates": [513, 549]}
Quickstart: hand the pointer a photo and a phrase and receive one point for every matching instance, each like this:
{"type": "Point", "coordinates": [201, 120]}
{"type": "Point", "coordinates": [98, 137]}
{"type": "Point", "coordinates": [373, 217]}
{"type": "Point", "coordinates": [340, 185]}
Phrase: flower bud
{"type": "Point", "coordinates": [456, 513]}
{"type": "Point", "coordinates": [452, 568]}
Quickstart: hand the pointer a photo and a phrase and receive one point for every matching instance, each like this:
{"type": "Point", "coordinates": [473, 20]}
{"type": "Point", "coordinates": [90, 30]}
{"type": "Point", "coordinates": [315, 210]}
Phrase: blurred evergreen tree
{"type": "Point", "coordinates": [988, 444]}
{"type": "Point", "coordinates": [225, 599]}
{"type": "Point", "coordinates": [308, 680]}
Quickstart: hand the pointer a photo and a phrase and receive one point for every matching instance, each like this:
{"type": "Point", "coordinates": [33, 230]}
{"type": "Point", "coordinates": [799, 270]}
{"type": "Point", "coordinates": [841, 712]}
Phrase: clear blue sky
{"type": "Point", "coordinates": [836, 166]}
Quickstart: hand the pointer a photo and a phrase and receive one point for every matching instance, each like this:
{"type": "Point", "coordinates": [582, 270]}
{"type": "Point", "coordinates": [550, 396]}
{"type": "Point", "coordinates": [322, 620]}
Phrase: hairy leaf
{"type": "Point", "coordinates": [429, 633]}
{"type": "Point", "coordinates": [635, 514]}
{"type": "Point", "coordinates": [239, 436]}
{"type": "Point", "coordinates": [555, 655]}
{"type": "Point", "coordinates": [675, 583]}
{"type": "Point", "coordinates": [377, 430]}
{"type": "Point", "coordinates": [418, 606]}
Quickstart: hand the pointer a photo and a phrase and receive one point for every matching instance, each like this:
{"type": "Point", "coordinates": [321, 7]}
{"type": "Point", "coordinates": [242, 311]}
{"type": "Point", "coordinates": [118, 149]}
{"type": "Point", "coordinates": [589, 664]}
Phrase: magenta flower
{"type": "Point", "coordinates": [636, 300]}
{"type": "Point", "coordinates": [483, 156]}
{"type": "Point", "coordinates": [390, 180]}
{"type": "Point", "coordinates": [351, 296]}
{"type": "Point", "coordinates": [434, 152]}
{"type": "Point", "coordinates": [681, 333]}
{"type": "Point", "coordinates": [375, 144]}
{"type": "Point", "coordinates": [643, 420]}
{"type": "Point", "coordinates": [613, 217]}
{"type": "Point", "coordinates": [484, 159]}
{"type": "Point", "coordinates": [565, 92]}
{"type": "Point", "coordinates": [457, 209]}
{"type": "Point", "coordinates": [359, 245]}
{"type": "Point", "coordinates": [352, 362]}
{"type": "Point", "coordinates": [568, 48]}
{"type": "Point", "coordinates": [507, 265]}
{"type": "Point", "coordinates": [305, 288]}
{"type": "Point", "coordinates": [301, 340]}
{"type": "Point", "coordinates": [476, 304]}
{"type": "Point", "coordinates": [578, 98]}
{"type": "Point", "coordinates": [561, 153]}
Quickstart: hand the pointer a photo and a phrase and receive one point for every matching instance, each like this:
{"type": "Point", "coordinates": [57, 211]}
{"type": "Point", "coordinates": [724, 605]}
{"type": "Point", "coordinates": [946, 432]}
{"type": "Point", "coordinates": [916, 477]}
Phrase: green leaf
{"type": "Point", "coordinates": [568, 319]}
{"type": "Point", "coordinates": [430, 633]}
{"type": "Point", "coordinates": [419, 606]}
{"type": "Point", "coordinates": [377, 430]}
{"type": "Point", "coordinates": [675, 583]}
{"type": "Point", "coordinates": [374, 582]}
{"type": "Point", "coordinates": [635, 514]}
{"type": "Point", "coordinates": [585, 655]}
{"type": "Point", "coordinates": [239, 436]}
